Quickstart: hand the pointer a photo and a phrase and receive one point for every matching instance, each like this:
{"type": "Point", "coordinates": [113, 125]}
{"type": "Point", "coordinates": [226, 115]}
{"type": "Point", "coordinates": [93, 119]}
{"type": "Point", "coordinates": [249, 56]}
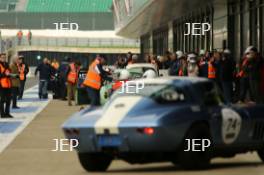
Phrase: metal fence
{"type": "Point", "coordinates": [71, 42]}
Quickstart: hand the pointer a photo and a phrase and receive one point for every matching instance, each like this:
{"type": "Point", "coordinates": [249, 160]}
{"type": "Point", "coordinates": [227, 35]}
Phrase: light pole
{"type": "Point", "coordinates": [42, 20]}
{"type": "Point", "coordinates": [93, 17]}
{"type": "Point", "coordinates": [68, 10]}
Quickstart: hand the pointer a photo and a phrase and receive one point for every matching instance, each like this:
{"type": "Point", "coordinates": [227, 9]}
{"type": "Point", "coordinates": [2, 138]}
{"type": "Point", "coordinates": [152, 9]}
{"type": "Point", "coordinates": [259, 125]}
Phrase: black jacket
{"type": "Point", "coordinates": [227, 69]}
{"type": "Point", "coordinates": [44, 71]}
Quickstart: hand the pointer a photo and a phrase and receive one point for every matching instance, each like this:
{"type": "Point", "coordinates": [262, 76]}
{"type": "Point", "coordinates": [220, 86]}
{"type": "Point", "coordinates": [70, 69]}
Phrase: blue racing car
{"type": "Point", "coordinates": [183, 120]}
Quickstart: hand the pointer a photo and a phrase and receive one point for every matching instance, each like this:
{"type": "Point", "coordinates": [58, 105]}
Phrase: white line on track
{"type": "Point", "coordinates": [30, 107]}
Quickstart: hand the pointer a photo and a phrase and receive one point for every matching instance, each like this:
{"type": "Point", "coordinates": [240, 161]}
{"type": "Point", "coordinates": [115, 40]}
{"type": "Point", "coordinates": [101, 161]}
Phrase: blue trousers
{"type": "Point", "coordinates": [94, 96]}
{"type": "Point", "coordinates": [43, 89]}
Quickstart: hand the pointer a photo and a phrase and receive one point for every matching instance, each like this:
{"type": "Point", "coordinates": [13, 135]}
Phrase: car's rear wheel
{"type": "Point", "coordinates": [195, 159]}
{"type": "Point", "coordinates": [261, 154]}
{"type": "Point", "coordinates": [95, 162]}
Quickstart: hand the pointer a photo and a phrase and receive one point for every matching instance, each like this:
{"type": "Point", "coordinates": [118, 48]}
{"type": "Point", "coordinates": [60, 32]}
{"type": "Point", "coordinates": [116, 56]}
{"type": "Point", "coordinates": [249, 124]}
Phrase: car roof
{"type": "Point", "coordinates": [141, 65]}
{"type": "Point", "coordinates": [174, 80]}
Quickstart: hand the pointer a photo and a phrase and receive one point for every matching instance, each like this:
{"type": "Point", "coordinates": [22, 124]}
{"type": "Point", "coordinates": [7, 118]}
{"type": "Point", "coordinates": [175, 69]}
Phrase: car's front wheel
{"type": "Point", "coordinates": [195, 159]}
{"type": "Point", "coordinates": [95, 162]}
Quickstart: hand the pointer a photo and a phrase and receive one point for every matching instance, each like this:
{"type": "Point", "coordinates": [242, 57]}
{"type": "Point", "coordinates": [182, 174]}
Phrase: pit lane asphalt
{"type": "Point", "coordinates": [30, 153]}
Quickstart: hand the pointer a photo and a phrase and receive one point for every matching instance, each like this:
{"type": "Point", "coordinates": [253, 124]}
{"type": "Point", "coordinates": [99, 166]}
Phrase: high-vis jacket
{"type": "Point", "coordinates": [241, 72]}
{"type": "Point", "coordinates": [19, 34]}
{"type": "Point", "coordinates": [55, 65]}
{"type": "Point", "coordinates": [93, 78]}
{"type": "Point", "coordinates": [21, 69]}
{"type": "Point", "coordinates": [73, 74]}
{"type": "Point", "coordinates": [211, 71]}
{"type": "Point", "coordinates": [5, 81]}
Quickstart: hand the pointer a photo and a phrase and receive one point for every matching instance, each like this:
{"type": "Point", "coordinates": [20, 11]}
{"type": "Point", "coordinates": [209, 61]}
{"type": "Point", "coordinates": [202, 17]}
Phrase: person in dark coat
{"type": "Point", "coordinates": [62, 73]}
{"type": "Point", "coordinates": [226, 76]}
{"type": "Point", "coordinates": [174, 66]}
{"type": "Point", "coordinates": [44, 77]}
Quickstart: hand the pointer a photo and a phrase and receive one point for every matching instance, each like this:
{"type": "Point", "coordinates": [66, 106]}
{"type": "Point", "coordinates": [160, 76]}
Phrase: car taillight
{"type": "Point", "coordinates": [72, 131]}
{"type": "Point", "coordinates": [68, 131]}
{"type": "Point", "coordinates": [147, 130]}
{"type": "Point", "coordinates": [76, 131]}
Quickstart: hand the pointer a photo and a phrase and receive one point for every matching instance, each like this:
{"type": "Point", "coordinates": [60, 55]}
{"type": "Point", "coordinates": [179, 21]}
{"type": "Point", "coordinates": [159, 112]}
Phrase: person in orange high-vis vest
{"type": "Point", "coordinates": [93, 80]}
{"type": "Point", "coordinates": [19, 37]}
{"type": "Point", "coordinates": [72, 77]}
{"type": "Point", "coordinates": [23, 71]}
{"type": "Point", "coordinates": [5, 85]}
{"type": "Point", "coordinates": [55, 64]}
{"type": "Point", "coordinates": [15, 80]}
{"type": "Point", "coordinates": [211, 69]}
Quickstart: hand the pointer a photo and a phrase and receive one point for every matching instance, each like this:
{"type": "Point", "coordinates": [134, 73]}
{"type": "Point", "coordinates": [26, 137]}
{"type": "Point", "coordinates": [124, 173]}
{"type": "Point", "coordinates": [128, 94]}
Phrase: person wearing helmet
{"type": "Point", "coordinates": [179, 54]}
{"type": "Point", "coordinates": [124, 76]}
{"type": "Point", "coordinates": [149, 74]}
{"type": "Point", "coordinates": [192, 68]}
{"type": "Point", "coordinates": [202, 53]}
{"type": "Point", "coordinates": [134, 59]}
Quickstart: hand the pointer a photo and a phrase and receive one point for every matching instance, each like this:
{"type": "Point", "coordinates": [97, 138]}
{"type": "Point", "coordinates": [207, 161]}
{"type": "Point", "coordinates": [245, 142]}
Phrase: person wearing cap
{"type": "Point", "coordinates": [227, 74]}
{"type": "Point", "coordinates": [5, 87]}
{"type": "Point", "coordinates": [23, 71]}
{"type": "Point", "coordinates": [94, 78]}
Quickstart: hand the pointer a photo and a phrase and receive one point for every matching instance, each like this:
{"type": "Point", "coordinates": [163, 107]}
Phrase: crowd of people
{"type": "Point", "coordinates": [60, 78]}
{"type": "Point", "coordinates": [241, 81]}
{"type": "Point", "coordinates": [20, 37]}
{"type": "Point", "coordinates": [12, 83]}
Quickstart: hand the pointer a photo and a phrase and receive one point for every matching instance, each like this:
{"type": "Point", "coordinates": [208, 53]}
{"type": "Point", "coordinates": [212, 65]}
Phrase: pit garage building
{"type": "Point", "coordinates": [161, 24]}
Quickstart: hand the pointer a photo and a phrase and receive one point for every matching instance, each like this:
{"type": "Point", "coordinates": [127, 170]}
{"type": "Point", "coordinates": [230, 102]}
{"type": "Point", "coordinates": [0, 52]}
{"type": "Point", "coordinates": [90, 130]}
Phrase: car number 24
{"type": "Point", "coordinates": [231, 125]}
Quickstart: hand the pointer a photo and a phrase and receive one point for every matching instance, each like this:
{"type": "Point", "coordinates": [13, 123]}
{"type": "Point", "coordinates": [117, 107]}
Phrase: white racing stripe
{"type": "Point", "coordinates": [113, 115]}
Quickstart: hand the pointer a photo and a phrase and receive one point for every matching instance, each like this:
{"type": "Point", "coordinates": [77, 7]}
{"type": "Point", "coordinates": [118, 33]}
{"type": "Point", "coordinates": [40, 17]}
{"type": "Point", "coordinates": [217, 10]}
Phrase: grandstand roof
{"type": "Point", "coordinates": [7, 5]}
{"type": "Point", "coordinates": [69, 6]}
